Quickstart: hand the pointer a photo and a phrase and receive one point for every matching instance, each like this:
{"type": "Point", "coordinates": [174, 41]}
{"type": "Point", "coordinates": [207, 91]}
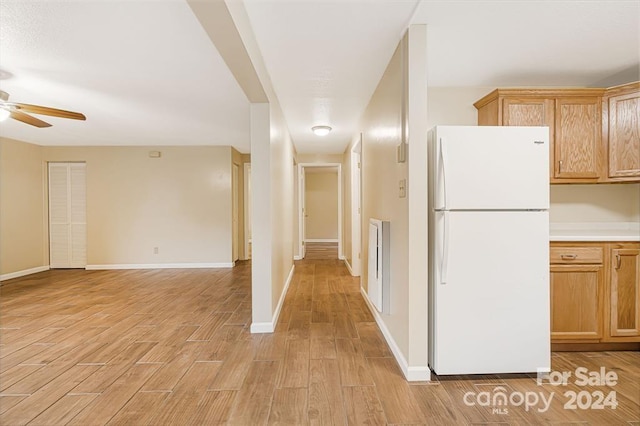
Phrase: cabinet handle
{"type": "Point", "coordinates": [559, 166]}
{"type": "Point", "coordinates": [618, 260]}
{"type": "Point", "coordinates": [568, 256]}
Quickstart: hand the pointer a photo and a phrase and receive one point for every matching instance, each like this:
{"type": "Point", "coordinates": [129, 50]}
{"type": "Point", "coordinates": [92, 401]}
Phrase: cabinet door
{"type": "Point", "coordinates": [531, 112]}
{"type": "Point", "coordinates": [576, 301]}
{"type": "Point", "coordinates": [624, 136]}
{"type": "Point", "coordinates": [625, 292]}
{"type": "Point", "coordinates": [527, 112]}
{"type": "Point", "coordinates": [578, 123]}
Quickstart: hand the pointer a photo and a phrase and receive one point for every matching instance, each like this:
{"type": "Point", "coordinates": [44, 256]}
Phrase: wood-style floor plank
{"type": "Point", "coordinates": [47, 395]}
{"type": "Point", "coordinates": [289, 407]}
{"type": "Point", "coordinates": [294, 372]}
{"type": "Point", "coordinates": [159, 347]}
{"type": "Point", "coordinates": [253, 401]}
{"type": "Point", "coordinates": [354, 370]}
{"type": "Point", "coordinates": [399, 405]}
{"type": "Point", "coordinates": [363, 406]}
{"type": "Point", "coordinates": [182, 403]}
{"type": "Point", "coordinates": [325, 393]}
{"type": "Point", "coordinates": [214, 408]}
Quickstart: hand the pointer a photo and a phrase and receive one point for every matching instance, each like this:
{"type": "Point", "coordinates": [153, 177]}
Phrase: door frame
{"type": "Point", "coordinates": [235, 212]}
{"type": "Point", "coordinates": [356, 210]}
{"type": "Point", "coordinates": [247, 209]}
{"type": "Point", "coordinates": [301, 199]}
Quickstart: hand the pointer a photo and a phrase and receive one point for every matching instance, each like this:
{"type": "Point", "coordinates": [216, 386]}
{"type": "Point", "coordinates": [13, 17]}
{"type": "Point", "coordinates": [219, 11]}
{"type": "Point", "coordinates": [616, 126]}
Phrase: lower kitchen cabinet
{"type": "Point", "coordinates": [624, 293]}
{"type": "Point", "coordinates": [595, 292]}
{"type": "Point", "coordinates": [577, 292]}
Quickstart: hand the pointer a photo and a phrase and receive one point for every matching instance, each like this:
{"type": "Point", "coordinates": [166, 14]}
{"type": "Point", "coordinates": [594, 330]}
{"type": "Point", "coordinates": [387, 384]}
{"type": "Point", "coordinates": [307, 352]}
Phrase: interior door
{"type": "Point", "coordinates": [67, 215]}
{"type": "Point", "coordinates": [234, 211]}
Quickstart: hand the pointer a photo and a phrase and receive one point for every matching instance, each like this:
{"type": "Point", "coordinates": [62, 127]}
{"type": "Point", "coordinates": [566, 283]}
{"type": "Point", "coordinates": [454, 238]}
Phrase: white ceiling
{"type": "Point", "coordinates": [530, 43]}
{"type": "Point", "coordinates": [146, 73]}
{"type": "Point", "coordinates": [143, 72]}
{"type": "Point", "coordinates": [325, 59]}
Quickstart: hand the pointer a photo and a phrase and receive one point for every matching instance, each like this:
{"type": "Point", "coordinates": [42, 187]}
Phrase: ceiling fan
{"type": "Point", "coordinates": [19, 111]}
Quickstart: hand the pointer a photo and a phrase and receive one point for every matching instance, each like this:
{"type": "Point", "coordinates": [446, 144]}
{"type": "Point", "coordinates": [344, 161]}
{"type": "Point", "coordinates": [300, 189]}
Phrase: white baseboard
{"type": "Point", "coordinates": [296, 257]}
{"type": "Point", "coordinates": [159, 266]}
{"type": "Point", "coordinates": [24, 272]}
{"type": "Point", "coordinates": [269, 327]}
{"type": "Point", "coordinates": [412, 374]}
{"type": "Point", "coordinates": [261, 327]}
{"type": "Point", "coordinates": [321, 240]}
{"type": "Point", "coordinates": [346, 263]}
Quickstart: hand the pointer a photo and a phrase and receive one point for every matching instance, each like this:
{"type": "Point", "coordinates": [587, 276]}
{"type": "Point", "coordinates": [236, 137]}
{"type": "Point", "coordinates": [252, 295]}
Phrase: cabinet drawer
{"type": "Point", "coordinates": [576, 255]}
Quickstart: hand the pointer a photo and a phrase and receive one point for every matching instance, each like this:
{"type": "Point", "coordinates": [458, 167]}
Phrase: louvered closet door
{"type": "Point", "coordinates": [67, 215]}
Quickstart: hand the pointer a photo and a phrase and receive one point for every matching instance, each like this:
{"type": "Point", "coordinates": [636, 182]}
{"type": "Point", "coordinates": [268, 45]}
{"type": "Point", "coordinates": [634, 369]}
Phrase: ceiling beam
{"type": "Point", "coordinates": [217, 22]}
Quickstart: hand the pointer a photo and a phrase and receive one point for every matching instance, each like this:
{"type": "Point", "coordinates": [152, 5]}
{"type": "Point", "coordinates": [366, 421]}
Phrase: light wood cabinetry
{"type": "Point", "coordinates": [622, 132]}
{"type": "Point", "coordinates": [594, 134]}
{"type": "Point", "coordinates": [577, 293]}
{"type": "Point", "coordinates": [595, 292]}
{"type": "Point", "coordinates": [623, 293]}
{"type": "Point", "coordinates": [578, 143]}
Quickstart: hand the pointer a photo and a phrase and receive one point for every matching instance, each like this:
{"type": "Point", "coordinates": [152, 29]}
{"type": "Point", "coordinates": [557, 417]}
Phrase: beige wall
{"type": "Point", "coordinates": [281, 180]}
{"type": "Point", "coordinates": [271, 213]}
{"type": "Point", "coordinates": [391, 108]}
{"type": "Point", "coordinates": [22, 207]}
{"type": "Point", "coordinates": [321, 198]}
{"type": "Point", "coordinates": [180, 203]}
{"type": "Point", "coordinates": [595, 203]}
{"type": "Point", "coordinates": [453, 106]}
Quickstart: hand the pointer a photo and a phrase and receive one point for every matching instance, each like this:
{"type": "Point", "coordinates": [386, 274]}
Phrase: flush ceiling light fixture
{"type": "Point", "coordinates": [321, 130]}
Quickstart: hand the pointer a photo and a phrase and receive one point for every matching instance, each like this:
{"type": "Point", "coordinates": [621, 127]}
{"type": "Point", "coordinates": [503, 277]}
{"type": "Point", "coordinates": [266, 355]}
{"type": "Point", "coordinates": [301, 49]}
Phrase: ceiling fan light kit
{"type": "Point", "coordinates": [18, 111]}
{"type": "Point", "coordinates": [321, 130]}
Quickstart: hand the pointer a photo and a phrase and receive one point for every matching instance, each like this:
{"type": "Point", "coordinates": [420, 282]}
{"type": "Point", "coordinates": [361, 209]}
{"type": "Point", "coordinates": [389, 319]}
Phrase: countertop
{"type": "Point", "coordinates": [595, 231]}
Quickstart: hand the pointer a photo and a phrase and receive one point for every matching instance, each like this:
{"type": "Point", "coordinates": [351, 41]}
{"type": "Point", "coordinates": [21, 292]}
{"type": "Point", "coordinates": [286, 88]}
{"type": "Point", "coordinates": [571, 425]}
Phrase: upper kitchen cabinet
{"type": "Point", "coordinates": [594, 133]}
{"type": "Point", "coordinates": [574, 118]}
{"type": "Point", "coordinates": [578, 145]}
{"type": "Point", "coordinates": [622, 108]}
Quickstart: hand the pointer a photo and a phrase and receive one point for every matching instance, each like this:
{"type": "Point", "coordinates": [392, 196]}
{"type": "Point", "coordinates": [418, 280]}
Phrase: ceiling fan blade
{"type": "Point", "coordinates": [26, 118]}
{"type": "Point", "coordinates": [37, 109]}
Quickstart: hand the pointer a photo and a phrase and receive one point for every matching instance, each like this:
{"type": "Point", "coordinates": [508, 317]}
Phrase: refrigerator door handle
{"type": "Point", "coordinates": [444, 265]}
{"type": "Point", "coordinates": [443, 162]}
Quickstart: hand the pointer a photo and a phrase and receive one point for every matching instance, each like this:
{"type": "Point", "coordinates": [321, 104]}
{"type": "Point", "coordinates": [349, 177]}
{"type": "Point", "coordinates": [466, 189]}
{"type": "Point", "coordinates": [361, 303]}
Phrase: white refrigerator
{"type": "Point", "coordinates": [489, 250]}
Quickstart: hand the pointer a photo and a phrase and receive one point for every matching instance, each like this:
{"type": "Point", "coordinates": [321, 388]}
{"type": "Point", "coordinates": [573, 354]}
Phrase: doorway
{"type": "Point", "coordinates": [320, 210]}
{"type": "Point", "coordinates": [67, 215]}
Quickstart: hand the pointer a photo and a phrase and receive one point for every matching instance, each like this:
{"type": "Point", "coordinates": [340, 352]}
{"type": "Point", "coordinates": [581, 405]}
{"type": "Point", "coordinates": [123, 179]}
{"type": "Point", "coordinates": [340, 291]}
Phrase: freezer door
{"type": "Point", "coordinates": [493, 168]}
{"type": "Point", "coordinates": [490, 293]}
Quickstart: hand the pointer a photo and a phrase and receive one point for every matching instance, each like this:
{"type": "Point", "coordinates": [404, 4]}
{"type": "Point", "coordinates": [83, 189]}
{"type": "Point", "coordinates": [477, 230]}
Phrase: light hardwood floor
{"type": "Point", "coordinates": [173, 347]}
{"type": "Point", "coordinates": [320, 251]}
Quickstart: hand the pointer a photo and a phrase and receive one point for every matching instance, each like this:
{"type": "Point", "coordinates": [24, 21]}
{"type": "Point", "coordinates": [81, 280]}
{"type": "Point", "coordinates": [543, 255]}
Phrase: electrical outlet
{"type": "Point", "coordinates": [155, 250]}
{"type": "Point", "coordinates": [403, 188]}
